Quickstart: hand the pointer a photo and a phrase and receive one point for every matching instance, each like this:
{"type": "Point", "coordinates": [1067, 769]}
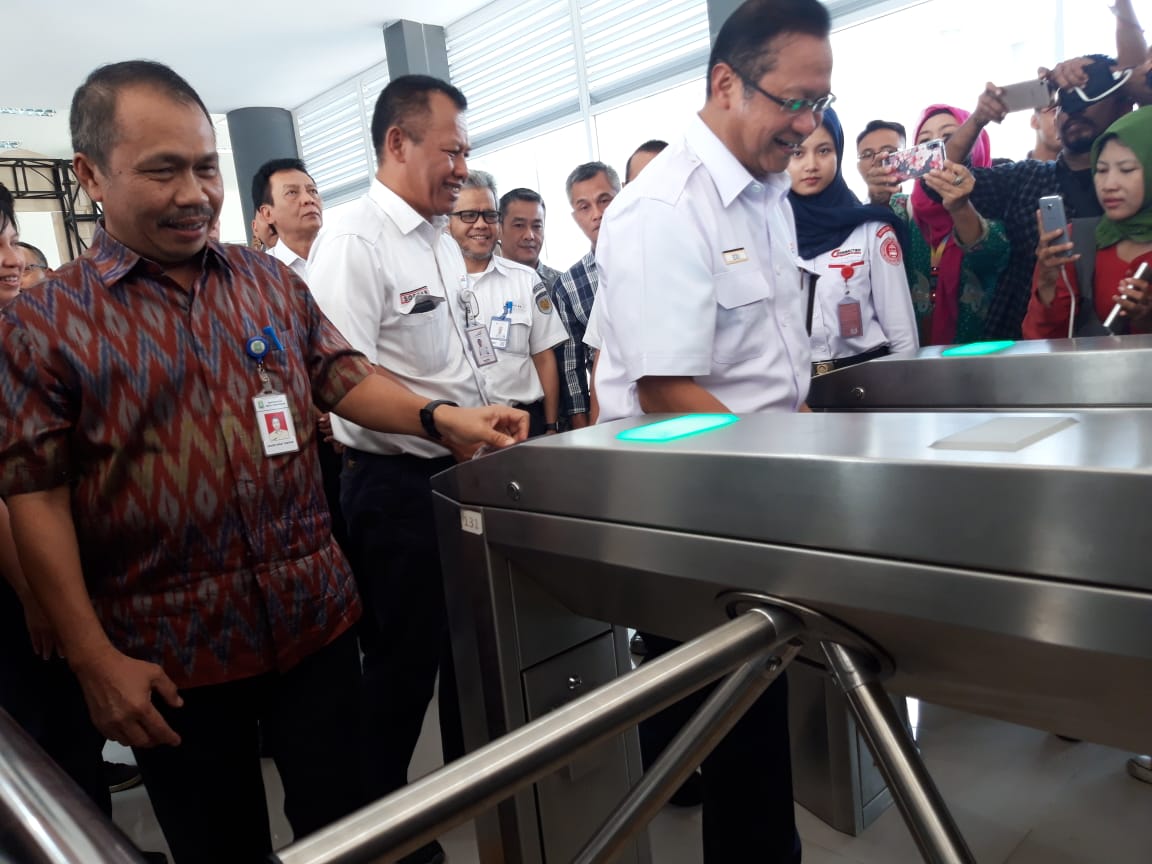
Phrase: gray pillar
{"type": "Point", "coordinates": [718, 12]}
{"type": "Point", "coordinates": [415, 49]}
{"type": "Point", "coordinates": [258, 134]}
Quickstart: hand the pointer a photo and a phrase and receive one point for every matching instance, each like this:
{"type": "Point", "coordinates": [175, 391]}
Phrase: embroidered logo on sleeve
{"type": "Point", "coordinates": [540, 293]}
{"type": "Point", "coordinates": [890, 251]}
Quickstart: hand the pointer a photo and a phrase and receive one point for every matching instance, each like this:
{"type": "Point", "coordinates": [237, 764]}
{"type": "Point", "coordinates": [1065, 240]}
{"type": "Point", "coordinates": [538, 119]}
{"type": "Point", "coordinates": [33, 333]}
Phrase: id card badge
{"type": "Point", "coordinates": [480, 343]}
{"type": "Point", "coordinates": [498, 330]}
{"type": "Point", "coordinates": [848, 312]}
{"type": "Point", "coordinates": [274, 420]}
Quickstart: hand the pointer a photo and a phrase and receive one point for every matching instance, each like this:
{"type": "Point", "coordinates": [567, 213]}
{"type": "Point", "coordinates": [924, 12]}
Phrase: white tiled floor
{"type": "Point", "coordinates": [1020, 796]}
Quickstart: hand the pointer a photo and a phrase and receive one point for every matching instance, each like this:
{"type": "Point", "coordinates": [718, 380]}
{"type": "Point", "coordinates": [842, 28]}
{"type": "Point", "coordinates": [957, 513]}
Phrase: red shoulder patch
{"type": "Point", "coordinates": [890, 251]}
{"type": "Point", "coordinates": [885, 229]}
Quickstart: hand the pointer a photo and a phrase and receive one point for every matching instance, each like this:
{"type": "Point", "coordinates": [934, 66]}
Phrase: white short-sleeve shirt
{"type": "Point", "coordinates": [290, 259]}
{"type": "Point", "coordinates": [699, 277]}
{"type": "Point", "coordinates": [867, 267]}
{"type": "Point", "coordinates": [534, 326]}
{"type": "Point", "coordinates": [390, 281]}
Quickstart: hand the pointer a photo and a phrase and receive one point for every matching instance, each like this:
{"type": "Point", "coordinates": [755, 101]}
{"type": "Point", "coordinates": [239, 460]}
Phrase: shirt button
{"type": "Point", "coordinates": [756, 187]}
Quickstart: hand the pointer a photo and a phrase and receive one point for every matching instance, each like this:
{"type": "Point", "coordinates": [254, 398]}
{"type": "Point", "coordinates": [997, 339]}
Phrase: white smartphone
{"type": "Point", "coordinates": [1052, 217]}
{"type": "Point", "coordinates": [1026, 95]}
{"type": "Point", "coordinates": [1140, 273]}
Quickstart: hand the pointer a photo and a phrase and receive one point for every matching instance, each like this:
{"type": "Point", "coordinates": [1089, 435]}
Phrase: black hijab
{"type": "Point", "coordinates": [824, 220]}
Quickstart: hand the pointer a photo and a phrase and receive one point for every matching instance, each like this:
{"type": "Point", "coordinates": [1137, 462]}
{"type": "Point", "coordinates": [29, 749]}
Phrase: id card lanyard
{"type": "Point", "coordinates": [273, 414]}
{"type": "Point", "coordinates": [499, 326]}
{"type": "Point", "coordinates": [848, 309]}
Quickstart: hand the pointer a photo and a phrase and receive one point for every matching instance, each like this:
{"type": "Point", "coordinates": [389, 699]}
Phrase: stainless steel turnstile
{"type": "Point", "coordinates": [993, 568]}
{"type": "Point", "coordinates": [1098, 373]}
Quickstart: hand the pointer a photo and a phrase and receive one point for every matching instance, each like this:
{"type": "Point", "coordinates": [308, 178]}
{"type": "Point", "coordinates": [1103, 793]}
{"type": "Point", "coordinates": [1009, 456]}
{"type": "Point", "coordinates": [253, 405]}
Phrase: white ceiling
{"type": "Point", "coordinates": [236, 54]}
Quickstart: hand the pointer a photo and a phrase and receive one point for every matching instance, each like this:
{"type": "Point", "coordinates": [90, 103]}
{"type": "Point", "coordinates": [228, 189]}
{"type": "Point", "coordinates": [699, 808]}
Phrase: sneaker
{"type": "Point", "coordinates": [121, 776]}
{"type": "Point", "coordinates": [636, 645]}
{"type": "Point", "coordinates": [430, 853]}
{"type": "Point", "coordinates": [1140, 767]}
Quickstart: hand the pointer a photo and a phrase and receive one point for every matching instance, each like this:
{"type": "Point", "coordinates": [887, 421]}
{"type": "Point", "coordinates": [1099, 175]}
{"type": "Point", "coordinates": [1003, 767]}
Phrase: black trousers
{"type": "Point", "coordinates": [208, 793]}
{"type": "Point", "coordinates": [536, 418]}
{"type": "Point", "coordinates": [747, 780]}
{"type": "Point", "coordinates": [387, 502]}
{"type": "Point", "coordinates": [45, 699]}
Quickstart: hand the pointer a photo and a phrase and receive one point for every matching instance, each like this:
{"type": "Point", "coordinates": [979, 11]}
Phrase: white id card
{"type": "Point", "coordinates": [274, 420]}
{"type": "Point", "coordinates": [480, 343]}
{"type": "Point", "coordinates": [498, 330]}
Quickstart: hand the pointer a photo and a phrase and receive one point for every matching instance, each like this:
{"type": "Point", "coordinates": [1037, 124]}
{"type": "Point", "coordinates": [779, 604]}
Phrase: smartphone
{"type": "Point", "coordinates": [1141, 273]}
{"type": "Point", "coordinates": [1027, 95]}
{"type": "Point", "coordinates": [1052, 217]}
{"type": "Point", "coordinates": [916, 161]}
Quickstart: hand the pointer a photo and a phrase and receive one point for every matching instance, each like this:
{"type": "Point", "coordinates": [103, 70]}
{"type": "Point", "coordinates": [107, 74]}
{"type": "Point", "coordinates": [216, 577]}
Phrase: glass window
{"type": "Point", "coordinates": [543, 164]}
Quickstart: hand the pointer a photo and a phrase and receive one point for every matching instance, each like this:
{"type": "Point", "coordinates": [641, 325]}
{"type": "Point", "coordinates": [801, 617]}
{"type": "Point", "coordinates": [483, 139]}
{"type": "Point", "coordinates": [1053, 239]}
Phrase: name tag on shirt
{"type": "Point", "coordinates": [274, 420]}
{"type": "Point", "coordinates": [735, 256]}
{"type": "Point", "coordinates": [480, 344]}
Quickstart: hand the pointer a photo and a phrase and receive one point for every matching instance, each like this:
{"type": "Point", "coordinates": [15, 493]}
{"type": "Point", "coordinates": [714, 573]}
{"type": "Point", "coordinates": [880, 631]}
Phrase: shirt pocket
{"type": "Point", "coordinates": [422, 339]}
{"type": "Point", "coordinates": [518, 334]}
{"type": "Point", "coordinates": [742, 300]}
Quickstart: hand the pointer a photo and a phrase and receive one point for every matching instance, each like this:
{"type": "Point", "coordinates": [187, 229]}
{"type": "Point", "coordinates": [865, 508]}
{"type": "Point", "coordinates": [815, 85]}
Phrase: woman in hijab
{"type": "Point", "coordinates": [955, 256]}
{"type": "Point", "coordinates": [1073, 296]}
{"type": "Point", "coordinates": [859, 305]}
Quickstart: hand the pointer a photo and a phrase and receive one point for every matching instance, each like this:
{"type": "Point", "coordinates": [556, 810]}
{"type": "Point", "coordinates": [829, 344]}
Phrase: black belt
{"type": "Point", "coordinates": [825, 366]}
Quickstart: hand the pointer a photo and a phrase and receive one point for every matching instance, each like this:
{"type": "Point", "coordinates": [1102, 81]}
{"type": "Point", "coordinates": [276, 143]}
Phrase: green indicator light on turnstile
{"type": "Point", "coordinates": [677, 427]}
{"type": "Point", "coordinates": [977, 349]}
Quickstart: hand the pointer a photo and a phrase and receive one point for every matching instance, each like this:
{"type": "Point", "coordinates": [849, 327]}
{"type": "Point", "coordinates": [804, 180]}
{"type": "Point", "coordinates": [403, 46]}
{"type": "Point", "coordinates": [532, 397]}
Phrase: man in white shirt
{"type": "Point", "coordinates": [511, 302]}
{"type": "Point", "coordinates": [389, 277]}
{"type": "Point", "coordinates": [701, 309]}
{"type": "Point", "coordinates": [286, 198]}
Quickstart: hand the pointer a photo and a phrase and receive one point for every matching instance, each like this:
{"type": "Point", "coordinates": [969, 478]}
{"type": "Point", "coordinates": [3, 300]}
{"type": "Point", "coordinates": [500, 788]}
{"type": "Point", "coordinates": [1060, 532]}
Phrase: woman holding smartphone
{"type": "Point", "coordinates": [955, 256]}
{"type": "Point", "coordinates": [1076, 284]}
{"type": "Point", "coordinates": [859, 305]}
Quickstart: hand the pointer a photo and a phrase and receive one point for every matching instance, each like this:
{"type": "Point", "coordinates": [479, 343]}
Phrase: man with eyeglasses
{"type": "Point", "coordinates": [36, 267]}
{"type": "Point", "coordinates": [879, 139]}
{"type": "Point", "coordinates": [390, 277]}
{"type": "Point", "coordinates": [510, 302]}
{"type": "Point", "coordinates": [702, 309]}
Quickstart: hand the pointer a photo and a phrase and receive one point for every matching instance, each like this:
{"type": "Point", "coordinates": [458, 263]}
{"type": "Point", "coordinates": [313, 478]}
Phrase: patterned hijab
{"type": "Point", "coordinates": [1134, 131]}
{"type": "Point", "coordinates": [824, 220]}
{"type": "Point", "coordinates": [935, 223]}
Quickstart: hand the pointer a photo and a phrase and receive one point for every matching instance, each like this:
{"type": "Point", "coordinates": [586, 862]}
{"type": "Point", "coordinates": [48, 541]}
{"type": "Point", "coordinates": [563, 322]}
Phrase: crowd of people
{"type": "Point", "coordinates": [217, 529]}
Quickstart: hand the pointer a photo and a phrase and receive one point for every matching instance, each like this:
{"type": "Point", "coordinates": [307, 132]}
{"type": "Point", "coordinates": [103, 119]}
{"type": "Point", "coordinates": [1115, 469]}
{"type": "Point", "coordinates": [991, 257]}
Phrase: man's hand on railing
{"type": "Point", "coordinates": [118, 690]}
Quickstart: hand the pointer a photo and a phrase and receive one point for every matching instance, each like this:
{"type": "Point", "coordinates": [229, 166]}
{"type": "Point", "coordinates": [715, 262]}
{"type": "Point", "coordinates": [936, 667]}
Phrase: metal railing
{"type": "Point", "coordinates": [44, 817]}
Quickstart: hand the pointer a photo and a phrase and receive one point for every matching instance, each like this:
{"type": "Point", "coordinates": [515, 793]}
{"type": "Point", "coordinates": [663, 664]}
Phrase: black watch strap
{"type": "Point", "coordinates": [551, 427]}
{"type": "Point", "coordinates": [427, 420]}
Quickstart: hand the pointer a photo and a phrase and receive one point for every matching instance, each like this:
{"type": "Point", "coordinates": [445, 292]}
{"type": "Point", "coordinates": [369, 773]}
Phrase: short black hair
{"type": "Point", "coordinates": [93, 117]}
{"type": "Point", "coordinates": [404, 100]}
{"type": "Point", "coordinates": [41, 258]}
{"type": "Point", "coordinates": [654, 145]}
{"type": "Point", "coordinates": [7, 209]}
{"type": "Point", "coordinates": [876, 125]}
{"type": "Point", "coordinates": [262, 179]}
{"type": "Point", "coordinates": [745, 38]}
{"type": "Point", "coordinates": [589, 170]}
{"type": "Point", "coordinates": [519, 194]}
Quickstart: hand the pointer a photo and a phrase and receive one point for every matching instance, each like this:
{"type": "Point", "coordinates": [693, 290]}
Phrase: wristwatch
{"type": "Point", "coordinates": [428, 421]}
{"type": "Point", "coordinates": [551, 427]}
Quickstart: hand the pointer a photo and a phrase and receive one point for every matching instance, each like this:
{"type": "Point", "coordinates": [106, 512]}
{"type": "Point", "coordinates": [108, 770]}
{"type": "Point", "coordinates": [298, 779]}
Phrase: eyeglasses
{"type": "Point", "coordinates": [790, 106]}
{"type": "Point", "coordinates": [470, 216]}
{"type": "Point", "coordinates": [869, 155]}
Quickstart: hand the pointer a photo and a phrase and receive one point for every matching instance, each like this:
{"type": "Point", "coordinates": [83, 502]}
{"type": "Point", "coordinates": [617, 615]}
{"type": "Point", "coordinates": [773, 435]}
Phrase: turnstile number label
{"type": "Point", "coordinates": [471, 521]}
